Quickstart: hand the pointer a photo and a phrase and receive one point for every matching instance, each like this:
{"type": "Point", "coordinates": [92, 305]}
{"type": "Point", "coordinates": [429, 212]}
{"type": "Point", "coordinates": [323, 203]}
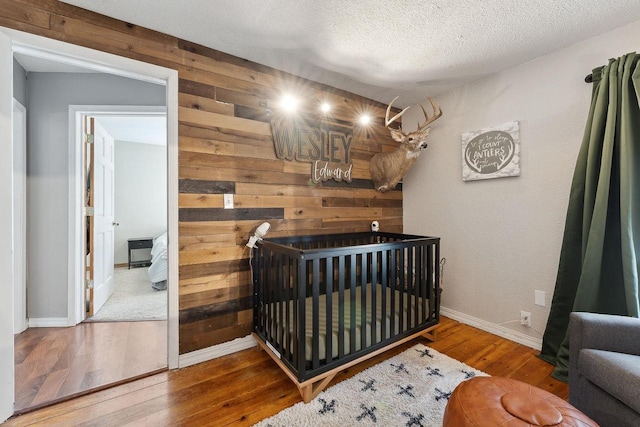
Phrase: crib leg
{"type": "Point", "coordinates": [431, 334]}
{"type": "Point", "coordinates": [309, 391]}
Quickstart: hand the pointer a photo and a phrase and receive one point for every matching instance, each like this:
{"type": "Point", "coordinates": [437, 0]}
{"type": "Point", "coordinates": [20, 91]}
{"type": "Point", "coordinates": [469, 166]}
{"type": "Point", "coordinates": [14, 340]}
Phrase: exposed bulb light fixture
{"type": "Point", "coordinates": [365, 119]}
{"type": "Point", "coordinates": [289, 103]}
{"type": "Point", "coordinates": [325, 107]}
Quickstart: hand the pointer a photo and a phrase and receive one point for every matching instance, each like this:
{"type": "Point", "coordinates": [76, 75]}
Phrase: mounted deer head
{"type": "Point", "coordinates": [387, 169]}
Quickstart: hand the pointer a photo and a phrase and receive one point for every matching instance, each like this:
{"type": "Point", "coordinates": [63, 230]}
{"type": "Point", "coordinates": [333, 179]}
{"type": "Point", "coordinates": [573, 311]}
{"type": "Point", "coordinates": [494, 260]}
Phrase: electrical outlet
{"type": "Point", "coordinates": [525, 318]}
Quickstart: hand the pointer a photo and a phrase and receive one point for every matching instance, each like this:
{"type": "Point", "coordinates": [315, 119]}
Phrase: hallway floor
{"type": "Point", "coordinates": [52, 364]}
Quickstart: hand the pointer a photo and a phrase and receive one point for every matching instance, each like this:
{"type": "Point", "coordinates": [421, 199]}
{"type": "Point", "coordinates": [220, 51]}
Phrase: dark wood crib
{"type": "Point", "coordinates": [324, 303]}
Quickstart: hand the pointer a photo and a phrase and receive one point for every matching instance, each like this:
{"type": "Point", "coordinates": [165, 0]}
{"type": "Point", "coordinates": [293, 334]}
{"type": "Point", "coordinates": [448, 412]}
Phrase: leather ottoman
{"type": "Point", "coordinates": [496, 401]}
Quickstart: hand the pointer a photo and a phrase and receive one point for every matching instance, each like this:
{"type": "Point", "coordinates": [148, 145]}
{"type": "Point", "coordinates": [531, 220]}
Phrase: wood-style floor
{"type": "Point", "coordinates": [55, 363]}
{"type": "Point", "coordinates": [246, 387]}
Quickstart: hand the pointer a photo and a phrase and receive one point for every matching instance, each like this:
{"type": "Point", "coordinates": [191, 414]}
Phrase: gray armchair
{"type": "Point", "coordinates": [604, 368]}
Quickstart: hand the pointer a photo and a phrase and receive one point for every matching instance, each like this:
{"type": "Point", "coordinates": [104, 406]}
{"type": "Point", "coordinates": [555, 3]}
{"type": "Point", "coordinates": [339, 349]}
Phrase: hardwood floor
{"type": "Point", "coordinates": [55, 363]}
{"type": "Point", "coordinates": [246, 387]}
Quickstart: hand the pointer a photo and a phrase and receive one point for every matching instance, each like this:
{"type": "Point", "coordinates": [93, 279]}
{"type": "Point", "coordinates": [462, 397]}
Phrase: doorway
{"type": "Point", "coordinates": [137, 224]}
{"type": "Point", "coordinates": [49, 98]}
{"type": "Point", "coordinates": [43, 48]}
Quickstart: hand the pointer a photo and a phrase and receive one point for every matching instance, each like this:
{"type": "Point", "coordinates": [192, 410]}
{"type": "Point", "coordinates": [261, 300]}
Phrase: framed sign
{"type": "Point", "coordinates": [491, 152]}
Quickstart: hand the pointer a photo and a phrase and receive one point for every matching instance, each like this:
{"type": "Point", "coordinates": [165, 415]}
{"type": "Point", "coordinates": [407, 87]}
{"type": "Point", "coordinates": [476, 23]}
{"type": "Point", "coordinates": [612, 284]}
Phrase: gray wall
{"type": "Point", "coordinates": [49, 96]}
{"type": "Point", "coordinates": [19, 83]}
{"type": "Point", "coordinates": [140, 194]}
{"type": "Point", "coordinates": [502, 237]}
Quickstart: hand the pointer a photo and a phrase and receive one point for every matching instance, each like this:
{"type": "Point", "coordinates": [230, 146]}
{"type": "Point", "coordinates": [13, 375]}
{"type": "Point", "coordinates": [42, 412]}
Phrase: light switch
{"type": "Point", "coordinates": [228, 201]}
{"type": "Point", "coordinates": [540, 297]}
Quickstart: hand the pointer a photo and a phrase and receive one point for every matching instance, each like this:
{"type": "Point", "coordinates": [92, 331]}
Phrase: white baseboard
{"type": "Point", "coordinates": [49, 322]}
{"type": "Point", "coordinates": [501, 331]}
{"type": "Point", "coordinates": [213, 352]}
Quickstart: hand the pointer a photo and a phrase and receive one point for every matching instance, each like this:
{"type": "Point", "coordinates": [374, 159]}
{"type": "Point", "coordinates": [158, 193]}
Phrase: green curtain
{"type": "Point", "coordinates": [598, 268]}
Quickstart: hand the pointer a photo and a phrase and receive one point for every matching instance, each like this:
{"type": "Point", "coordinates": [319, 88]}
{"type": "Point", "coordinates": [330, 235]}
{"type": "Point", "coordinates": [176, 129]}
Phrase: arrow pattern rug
{"type": "Point", "coordinates": [410, 389]}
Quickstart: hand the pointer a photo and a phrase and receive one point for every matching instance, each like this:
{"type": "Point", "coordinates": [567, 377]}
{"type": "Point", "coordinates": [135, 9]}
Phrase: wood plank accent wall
{"type": "Point", "coordinates": [225, 146]}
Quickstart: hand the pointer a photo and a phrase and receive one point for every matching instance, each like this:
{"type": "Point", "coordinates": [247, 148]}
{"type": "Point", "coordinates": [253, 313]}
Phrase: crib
{"type": "Point", "coordinates": [323, 303]}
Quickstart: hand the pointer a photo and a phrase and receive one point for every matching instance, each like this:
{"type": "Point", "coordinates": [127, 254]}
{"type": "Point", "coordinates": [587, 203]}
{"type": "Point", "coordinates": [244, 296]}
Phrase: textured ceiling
{"type": "Point", "coordinates": [380, 48]}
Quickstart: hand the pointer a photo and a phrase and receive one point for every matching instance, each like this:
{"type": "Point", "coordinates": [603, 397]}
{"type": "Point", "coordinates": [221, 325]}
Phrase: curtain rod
{"type": "Point", "coordinates": [588, 78]}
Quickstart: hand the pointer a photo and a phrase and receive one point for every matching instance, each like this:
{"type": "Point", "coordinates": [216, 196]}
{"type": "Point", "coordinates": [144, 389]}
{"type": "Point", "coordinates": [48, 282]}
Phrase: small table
{"type": "Point", "coordinates": [140, 243]}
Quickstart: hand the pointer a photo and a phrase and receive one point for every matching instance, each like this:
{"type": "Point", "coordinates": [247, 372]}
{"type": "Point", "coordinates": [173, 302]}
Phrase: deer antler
{"type": "Point", "coordinates": [437, 113]}
{"type": "Point", "coordinates": [387, 122]}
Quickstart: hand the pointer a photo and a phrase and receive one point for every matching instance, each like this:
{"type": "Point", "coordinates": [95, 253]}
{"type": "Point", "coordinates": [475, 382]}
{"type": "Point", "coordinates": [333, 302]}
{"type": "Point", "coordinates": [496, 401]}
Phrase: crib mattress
{"type": "Point", "coordinates": [360, 325]}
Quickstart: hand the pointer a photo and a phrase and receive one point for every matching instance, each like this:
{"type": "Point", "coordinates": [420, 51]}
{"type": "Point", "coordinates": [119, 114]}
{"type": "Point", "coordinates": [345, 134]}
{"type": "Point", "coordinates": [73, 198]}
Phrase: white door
{"type": "Point", "coordinates": [6, 230]}
{"type": "Point", "coordinates": [19, 216]}
{"type": "Point", "coordinates": [103, 218]}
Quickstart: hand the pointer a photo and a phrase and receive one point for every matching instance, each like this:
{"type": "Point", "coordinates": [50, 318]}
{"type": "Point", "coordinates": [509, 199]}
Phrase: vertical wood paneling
{"type": "Point", "coordinates": [225, 147]}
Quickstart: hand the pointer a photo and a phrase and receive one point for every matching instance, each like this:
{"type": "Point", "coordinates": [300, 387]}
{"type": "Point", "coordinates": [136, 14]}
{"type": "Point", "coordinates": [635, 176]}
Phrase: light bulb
{"type": "Point", "coordinates": [289, 103]}
{"type": "Point", "coordinates": [365, 119]}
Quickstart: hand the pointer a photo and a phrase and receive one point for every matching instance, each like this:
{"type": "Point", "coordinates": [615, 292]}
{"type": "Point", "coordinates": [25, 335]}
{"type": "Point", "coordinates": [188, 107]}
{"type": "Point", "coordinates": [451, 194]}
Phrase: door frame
{"type": "Point", "coordinates": [19, 222]}
{"type": "Point", "coordinates": [7, 375]}
{"type": "Point", "coordinates": [47, 48]}
{"type": "Point", "coordinates": [76, 257]}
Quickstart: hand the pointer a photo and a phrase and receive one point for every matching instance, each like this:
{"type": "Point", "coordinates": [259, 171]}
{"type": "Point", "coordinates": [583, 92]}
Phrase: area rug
{"type": "Point", "coordinates": [133, 299]}
{"type": "Point", "coordinates": [410, 389]}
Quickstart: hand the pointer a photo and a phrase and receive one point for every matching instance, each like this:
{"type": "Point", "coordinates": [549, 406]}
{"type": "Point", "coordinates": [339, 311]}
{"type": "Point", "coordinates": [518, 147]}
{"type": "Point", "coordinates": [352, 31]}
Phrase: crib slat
{"type": "Point", "coordinates": [374, 291]}
{"type": "Point", "coordinates": [301, 341]}
{"type": "Point", "coordinates": [341, 287]}
{"type": "Point", "coordinates": [295, 280]}
{"type": "Point", "coordinates": [409, 284]}
{"type": "Point", "coordinates": [329, 310]}
{"type": "Point", "coordinates": [416, 284]}
{"type": "Point", "coordinates": [352, 305]}
{"type": "Point", "coordinates": [384, 276]}
{"type": "Point", "coordinates": [394, 289]}
{"type": "Point", "coordinates": [287, 307]}
{"type": "Point", "coordinates": [422, 265]}
{"type": "Point", "coordinates": [427, 284]}
{"type": "Point", "coordinates": [403, 289]}
{"type": "Point", "coordinates": [258, 297]}
{"type": "Point", "coordinates": [267, 297]}
{"type": "Point", "coordinates": [315, 316]}
{"type": "Point", "coordinates": [417, 256]}
{"type": "Point", "coordinates": [363, 301]}
{"type": "Point", "coordinates": [435, 301]}
{"type": "Point", "coordinates": [279, 338]}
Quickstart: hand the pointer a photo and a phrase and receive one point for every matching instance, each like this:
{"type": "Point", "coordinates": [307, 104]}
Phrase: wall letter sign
{"type": "Point", "coordinates": [326, 146]}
